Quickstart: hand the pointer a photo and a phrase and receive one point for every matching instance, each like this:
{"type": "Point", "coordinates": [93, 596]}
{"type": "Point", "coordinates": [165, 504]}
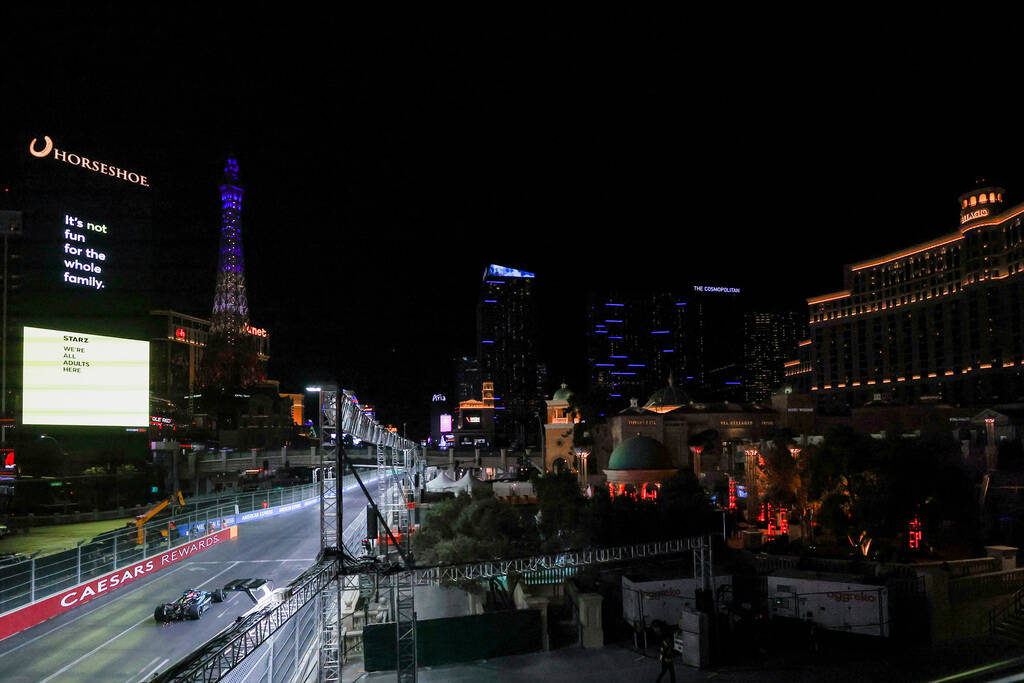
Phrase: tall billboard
{"type": "Point", "coordinates": [86, 240]}
{"type": "Point", "coordinates": [84, 267]}
{"type": "Point", "coordinates": [83, 379]}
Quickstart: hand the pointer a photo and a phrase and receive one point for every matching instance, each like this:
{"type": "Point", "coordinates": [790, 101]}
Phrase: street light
{"type": "Point", "coordinates": [583, 453]}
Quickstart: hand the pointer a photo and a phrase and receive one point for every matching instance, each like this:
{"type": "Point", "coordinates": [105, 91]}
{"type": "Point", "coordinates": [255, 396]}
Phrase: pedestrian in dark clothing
{"type": "Point", "coordinates": [668, 654]}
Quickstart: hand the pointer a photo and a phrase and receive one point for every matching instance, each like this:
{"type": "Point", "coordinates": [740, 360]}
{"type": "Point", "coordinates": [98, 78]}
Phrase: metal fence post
{"type": "Point", "coordinates": [115, 551]}
{"type": "Point", "coordinates": [78, 563]}
{"type": "Point", "coordinates": [32, 582]}
{"type": "Point", "coordinates": [168, 534]}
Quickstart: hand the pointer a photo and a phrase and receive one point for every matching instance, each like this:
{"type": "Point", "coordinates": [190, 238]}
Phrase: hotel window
{"type": "Point", "coordinates": [974, 200]}
{"type": "Point", "coordinates": [983, 199]}
{"type": "Point", "coordinates": [992, 196]}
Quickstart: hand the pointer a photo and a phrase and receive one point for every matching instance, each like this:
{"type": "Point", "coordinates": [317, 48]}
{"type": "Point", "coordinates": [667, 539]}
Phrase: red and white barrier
{"type": "Point", "coordinates": [29, 615]}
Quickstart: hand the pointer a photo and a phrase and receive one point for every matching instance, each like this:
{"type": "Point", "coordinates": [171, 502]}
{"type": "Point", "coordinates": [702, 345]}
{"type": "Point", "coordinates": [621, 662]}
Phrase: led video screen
{"type": "Point", "coordinates": [76, 378]}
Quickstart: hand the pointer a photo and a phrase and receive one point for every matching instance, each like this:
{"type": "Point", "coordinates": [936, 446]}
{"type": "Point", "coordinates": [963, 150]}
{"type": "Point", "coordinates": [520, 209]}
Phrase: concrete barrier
{"type": "Point", "coordinates": [24, 617]}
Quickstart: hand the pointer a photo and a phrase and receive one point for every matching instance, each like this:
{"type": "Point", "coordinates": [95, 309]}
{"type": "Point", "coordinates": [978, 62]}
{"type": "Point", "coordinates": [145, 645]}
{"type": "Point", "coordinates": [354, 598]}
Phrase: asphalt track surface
{"type": "Point", "coordinates": [115, 638]}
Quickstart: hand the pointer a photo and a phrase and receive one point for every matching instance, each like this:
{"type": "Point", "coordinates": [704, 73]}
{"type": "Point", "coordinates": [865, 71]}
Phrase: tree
{"type": "Point", "coordinates": [560, 511]}
{"type": "Point", "coordinates": [684, 508]}
{"type": "Point", "coordinates": [465, 529]}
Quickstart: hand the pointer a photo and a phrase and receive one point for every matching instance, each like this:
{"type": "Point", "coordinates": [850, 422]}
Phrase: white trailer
{"type": "Point", "coordinates": [835, 604]}
{"type": "Point", "coordinates": [661, 600]}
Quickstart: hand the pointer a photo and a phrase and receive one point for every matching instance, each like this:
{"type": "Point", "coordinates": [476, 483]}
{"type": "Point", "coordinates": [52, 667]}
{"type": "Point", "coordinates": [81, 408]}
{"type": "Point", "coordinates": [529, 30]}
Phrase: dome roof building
{"type": "Point", "coordinates": [563, 393]}
{"type": "Point", "coordinates": [637, 467]}
{"type": "Point", "coordinates": [667, 398]}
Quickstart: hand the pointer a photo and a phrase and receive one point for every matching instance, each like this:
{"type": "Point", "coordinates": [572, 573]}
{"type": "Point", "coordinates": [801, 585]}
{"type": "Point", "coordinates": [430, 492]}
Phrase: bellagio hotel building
{"type": "Point", "coordinates": [939, 321]}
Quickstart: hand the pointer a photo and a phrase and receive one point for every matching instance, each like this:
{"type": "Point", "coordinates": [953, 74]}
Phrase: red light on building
{"type": "Point", "coordinates": [914, 535]}
{"type": "Point", "coordinates": [179, 333]}
{"type": "Point", "coordinates": [783, 521]}
{"type": "Point", "coordinates": [732, 493]}
{"type": "Point", "coordinates": [8, 454]}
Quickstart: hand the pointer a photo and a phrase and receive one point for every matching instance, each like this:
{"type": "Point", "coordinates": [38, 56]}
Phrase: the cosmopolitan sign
{"type": "Point", "coordinates": [718, 290]}
{"type": "Point", "coordinates": [18, 620]}
{"type": "Point", "coordinates": [102, 167]}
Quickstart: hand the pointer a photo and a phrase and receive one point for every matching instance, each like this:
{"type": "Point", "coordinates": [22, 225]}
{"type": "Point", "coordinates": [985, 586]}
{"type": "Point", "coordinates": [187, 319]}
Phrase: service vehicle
{"type": "Point", "coordinates": [191, 605]}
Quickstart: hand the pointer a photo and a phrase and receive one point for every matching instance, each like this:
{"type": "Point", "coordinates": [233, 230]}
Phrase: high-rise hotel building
{"type": "Point", "coordinates": [938, 321]}
{"type": "Point", "coordinates": [506, 319]}
{"type": "Point", "coordinates": [638, 341]}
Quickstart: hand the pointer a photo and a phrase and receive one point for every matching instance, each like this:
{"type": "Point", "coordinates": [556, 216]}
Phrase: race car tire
{"type": "Point", "coordinates": [160, 614]}
{"type": "Point", "coordinates": [194, 612]}
{"type": "Point", "coordinates": [218, 595]}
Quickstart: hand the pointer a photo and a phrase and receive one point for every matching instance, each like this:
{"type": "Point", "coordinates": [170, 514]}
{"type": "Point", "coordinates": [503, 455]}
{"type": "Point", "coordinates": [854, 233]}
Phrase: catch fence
{"type": "Point", "coordinates": [27, 580]}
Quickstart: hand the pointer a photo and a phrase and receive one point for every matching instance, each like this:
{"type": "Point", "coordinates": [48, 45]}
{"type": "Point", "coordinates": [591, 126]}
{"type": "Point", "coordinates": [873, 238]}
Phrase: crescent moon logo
{"type": "Point", "coordinates": [46, 150]}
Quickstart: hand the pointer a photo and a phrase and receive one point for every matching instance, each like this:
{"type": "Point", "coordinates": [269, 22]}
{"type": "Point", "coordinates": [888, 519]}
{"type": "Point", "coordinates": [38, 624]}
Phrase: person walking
{"type": "Point", "coordinates": [667, 657]}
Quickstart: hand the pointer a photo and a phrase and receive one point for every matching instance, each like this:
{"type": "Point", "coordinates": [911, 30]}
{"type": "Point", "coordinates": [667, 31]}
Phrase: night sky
{"type": "Point", "coordinates": [384, 169]}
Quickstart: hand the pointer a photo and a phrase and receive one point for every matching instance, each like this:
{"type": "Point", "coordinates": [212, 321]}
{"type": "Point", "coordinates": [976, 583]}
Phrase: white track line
{"type": "Point", "coordinates": [90, 653]}
{"type": "Point", "coordinates": [291, 559]}
{"type": "Point", "coordinates": [151, 663]}
{"type": "Point", "coordinates": [155, 669]}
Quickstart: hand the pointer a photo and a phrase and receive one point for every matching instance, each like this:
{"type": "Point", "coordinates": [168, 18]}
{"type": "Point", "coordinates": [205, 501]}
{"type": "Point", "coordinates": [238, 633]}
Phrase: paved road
{"type": "Point", "coordinates": [115, 638]}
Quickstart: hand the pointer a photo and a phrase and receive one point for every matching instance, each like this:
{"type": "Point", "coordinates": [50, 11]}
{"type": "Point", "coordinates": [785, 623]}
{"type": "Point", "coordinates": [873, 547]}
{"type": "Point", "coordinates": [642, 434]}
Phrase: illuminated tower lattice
{"type": "Point", "coordinates": [235, 353]}
{"type": "Point", "coordinates": [230, 307]}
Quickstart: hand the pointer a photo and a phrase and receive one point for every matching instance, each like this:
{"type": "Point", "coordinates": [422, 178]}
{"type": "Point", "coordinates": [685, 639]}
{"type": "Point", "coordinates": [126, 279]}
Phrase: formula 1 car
{"type": "Point", "coordinates": [190, 605]}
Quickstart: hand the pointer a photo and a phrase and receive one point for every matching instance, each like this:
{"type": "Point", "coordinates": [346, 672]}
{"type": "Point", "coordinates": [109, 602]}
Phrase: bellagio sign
{"type": "Point", "coordinates": [102, 167]}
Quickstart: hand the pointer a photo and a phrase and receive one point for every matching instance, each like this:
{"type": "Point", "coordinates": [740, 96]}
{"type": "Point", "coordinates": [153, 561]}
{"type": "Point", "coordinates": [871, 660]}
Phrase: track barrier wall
{"type": "Point", "coordinates": [36, 589]}
{"type": "Point", "coordinates": [47, 608]}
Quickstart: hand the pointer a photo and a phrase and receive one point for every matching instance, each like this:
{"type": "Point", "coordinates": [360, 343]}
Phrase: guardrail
{"type": "Point", "coordinates": [985, 585]}
{"type": "Point", "coordinates": [31, 579]}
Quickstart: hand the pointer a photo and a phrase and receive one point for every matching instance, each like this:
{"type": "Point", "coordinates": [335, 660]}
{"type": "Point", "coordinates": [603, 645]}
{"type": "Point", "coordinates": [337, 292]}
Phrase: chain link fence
{"type": "Point", "coordinates": [25, 581]}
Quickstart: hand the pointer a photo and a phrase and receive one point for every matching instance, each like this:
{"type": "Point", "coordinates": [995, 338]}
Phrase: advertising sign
{"type": "Point", "coordinates": [87, 242]}
{"type": "Point", "coordinates": [74, 378]}
{"type": "Point", "coordinates": [24, 617]}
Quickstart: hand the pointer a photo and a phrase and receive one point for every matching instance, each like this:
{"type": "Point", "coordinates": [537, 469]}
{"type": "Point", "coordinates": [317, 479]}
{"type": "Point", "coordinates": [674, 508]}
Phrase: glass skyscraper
{"type": "Point", "coordinates": [507, 352]}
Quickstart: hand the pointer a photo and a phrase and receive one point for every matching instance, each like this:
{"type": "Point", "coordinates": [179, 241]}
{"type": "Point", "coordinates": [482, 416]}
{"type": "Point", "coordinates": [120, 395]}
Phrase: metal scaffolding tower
{"type": "Point", "coordinates": [330, 493]}
{"type": "Point", "coordinates": [402, 593]}
{"type": "Point", "coordinates": [330, 631]}
{"type": "Point", "coordinates": [382, 480]}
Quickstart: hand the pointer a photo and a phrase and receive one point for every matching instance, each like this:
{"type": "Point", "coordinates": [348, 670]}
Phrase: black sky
{"type": "Point", "coordinates": [385, 168]}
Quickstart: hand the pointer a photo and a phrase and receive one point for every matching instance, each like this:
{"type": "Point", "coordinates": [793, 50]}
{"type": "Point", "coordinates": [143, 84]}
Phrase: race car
{"type": "Point", "coordinates": [190, 605]}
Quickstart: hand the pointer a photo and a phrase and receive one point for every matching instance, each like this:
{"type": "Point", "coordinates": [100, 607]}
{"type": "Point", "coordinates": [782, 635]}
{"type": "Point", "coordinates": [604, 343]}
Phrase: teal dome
{"type": "Point", "coordinates": [640, 453]}
{"type": "Point", "coordinates": [562, 394]}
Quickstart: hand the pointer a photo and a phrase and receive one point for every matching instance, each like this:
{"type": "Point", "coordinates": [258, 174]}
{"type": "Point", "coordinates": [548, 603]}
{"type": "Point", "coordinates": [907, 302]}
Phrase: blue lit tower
{"type": "Point", "coordinates": [230, 306]}
{"type": "Point", "coordinates": [236, 352]}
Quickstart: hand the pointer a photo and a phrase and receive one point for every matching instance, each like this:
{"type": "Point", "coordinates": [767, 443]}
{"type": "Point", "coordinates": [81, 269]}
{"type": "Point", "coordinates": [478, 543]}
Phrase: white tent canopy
{"type": "Point", "coordinates": [467, 483]}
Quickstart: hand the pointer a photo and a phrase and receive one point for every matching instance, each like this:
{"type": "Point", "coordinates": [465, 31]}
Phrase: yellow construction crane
{"type": "Point", "coordinates": [142, 519]}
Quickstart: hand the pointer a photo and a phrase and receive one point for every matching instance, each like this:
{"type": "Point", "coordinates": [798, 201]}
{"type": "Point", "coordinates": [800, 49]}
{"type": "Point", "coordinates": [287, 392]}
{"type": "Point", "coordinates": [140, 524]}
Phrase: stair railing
{"type": "Point", "coordinates": [1013, 605]}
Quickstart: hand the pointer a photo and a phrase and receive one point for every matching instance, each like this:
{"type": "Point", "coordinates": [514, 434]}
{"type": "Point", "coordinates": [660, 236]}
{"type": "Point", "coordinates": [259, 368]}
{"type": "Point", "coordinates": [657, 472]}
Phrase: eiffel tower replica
{"type": "Point", "coordinates": [232, 359]}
